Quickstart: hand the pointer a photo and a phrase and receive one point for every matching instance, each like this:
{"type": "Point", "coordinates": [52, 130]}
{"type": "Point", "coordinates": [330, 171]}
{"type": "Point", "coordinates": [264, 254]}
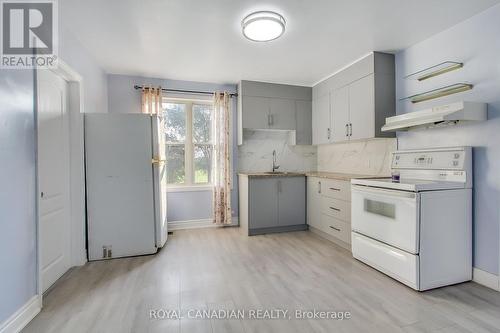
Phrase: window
{"type": "Point", "coordinates": [189, 146]}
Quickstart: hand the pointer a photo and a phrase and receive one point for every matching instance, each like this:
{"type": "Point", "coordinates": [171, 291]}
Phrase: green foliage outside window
{"type": "Point", "coordinates": [196, 139]}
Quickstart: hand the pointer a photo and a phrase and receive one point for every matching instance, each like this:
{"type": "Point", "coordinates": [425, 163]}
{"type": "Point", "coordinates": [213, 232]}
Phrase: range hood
{"type": "Point", "coordinates": [451, 114]}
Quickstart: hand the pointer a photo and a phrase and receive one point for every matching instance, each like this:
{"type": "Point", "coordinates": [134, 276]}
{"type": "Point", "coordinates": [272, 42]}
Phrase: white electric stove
{"type": "Point", "coordinates": [417, 230]}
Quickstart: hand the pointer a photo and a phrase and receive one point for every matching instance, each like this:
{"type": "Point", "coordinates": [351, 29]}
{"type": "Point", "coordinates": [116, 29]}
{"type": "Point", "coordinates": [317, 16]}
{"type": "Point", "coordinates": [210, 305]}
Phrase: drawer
{"type": "Point", "coordinates": [336, 228]}
{"type": "Point", "coordinates": [398, 264]}
{"type": "Point", "coordinates": [337, 189]}
{"type": "Point", "coordinates": [336, 208]}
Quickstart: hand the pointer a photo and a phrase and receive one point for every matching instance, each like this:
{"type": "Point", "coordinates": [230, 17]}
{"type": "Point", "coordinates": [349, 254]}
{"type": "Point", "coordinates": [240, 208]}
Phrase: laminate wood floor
{"type": "Point", "coordinates": [223, 269]}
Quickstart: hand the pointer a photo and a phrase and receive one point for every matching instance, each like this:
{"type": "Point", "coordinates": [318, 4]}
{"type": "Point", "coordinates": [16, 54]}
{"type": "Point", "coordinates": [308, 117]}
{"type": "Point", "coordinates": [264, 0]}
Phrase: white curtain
{"type": "Point", "coordinates": [151, 100]}
{"type": "Point", "coordinates": [221, 161]}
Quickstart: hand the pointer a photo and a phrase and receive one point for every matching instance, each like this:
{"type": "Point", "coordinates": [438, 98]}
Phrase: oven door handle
{"type": "Point", "coordinates": [383, 191]}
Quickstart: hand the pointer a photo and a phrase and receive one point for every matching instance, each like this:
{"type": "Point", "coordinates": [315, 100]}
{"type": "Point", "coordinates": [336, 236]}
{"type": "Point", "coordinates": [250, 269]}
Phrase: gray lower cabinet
{"type": "Point", "coordinates": [272, 204]}
{"type": "Point", "coordinates": [263, 202]}
{"type": "Point", "coordinates": [291, 196]}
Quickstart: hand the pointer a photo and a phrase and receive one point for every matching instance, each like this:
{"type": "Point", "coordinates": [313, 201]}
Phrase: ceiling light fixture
{"type": "Point", "coordinates": [263, 26]}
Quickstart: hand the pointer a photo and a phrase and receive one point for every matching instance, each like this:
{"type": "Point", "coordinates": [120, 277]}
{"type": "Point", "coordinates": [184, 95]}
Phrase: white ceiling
{"type": "Point", "coordinates": [201, 40]}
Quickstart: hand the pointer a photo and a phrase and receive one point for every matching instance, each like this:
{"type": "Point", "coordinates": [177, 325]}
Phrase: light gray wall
{"type": "Point", "coordinates": [475, 42]}
{"type": "Point", "coordinates": [123, 98]}
{"type": "Point", "coordinates": [185, 206]}
{"type": "Point", "coordinates": [17, 196]}
{"type": "Point", "coordinates": [72, 52]}
{"type": "Point", "coordinates": [18, 253]}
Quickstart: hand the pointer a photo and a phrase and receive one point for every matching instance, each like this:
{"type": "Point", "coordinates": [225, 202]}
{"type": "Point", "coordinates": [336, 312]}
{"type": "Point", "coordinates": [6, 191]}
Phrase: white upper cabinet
{"type": "Point", "coordinates": [360, 97]}
{"type": "Point", "coordinates": [321, 119]}
{"type": "Point", "coordinates": [362, 108]}
{"type": "Point", "coordinates": [264, 105]}
{"type": "Point", "coordinates": [340, 114]}
{"type": "Point", "coordinates": [304, 127]}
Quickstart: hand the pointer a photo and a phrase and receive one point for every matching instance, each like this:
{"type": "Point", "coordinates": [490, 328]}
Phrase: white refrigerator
{"type": "Point", "coordinates": [126, 180]}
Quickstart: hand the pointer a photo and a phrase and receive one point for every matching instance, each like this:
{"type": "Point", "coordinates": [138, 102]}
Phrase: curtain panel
{"type": "Point", "coordinates": [221, 161]}
{"type": "Point", "coordinates": [151, 100]}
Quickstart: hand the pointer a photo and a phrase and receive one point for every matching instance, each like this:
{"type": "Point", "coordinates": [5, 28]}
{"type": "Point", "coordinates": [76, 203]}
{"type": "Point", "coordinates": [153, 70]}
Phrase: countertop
{"type": "Point", "coordinates": [339, 176]}
{"type": "Point", "coordinates": [272, 174]}
{"type": "Point", "coordinates": [329, 175]}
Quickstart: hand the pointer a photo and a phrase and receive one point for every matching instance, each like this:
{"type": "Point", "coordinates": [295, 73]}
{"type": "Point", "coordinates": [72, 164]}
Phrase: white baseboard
{"type": "Point", "coordinates": [486, 279]}
{"type": "Point", "coordinates": [23, 316]}
{"type": "Point", "coordinates": [195, 224]}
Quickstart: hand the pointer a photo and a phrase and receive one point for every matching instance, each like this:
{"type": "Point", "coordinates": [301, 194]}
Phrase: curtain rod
{"type": "Point", "coordinates": [186, 91]}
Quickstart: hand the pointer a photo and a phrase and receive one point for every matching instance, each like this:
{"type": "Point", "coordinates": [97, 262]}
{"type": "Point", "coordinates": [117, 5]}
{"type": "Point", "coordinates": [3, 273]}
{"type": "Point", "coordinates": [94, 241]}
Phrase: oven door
{"type": "Point", "coordinates": [389, 216]}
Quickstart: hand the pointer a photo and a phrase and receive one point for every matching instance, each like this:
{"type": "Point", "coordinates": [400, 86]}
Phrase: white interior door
{"type": "Point", "coordinates": [53, 177]}
{"type": "Point", "coordinates": [160, 180]}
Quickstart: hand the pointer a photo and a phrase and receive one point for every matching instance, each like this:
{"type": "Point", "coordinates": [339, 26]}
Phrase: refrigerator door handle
{"type": "Point", "coordinates": [157, 160]}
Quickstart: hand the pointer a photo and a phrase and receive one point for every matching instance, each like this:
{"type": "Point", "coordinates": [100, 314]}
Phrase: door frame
{"type": "Point", "coordinates": [77, 214]}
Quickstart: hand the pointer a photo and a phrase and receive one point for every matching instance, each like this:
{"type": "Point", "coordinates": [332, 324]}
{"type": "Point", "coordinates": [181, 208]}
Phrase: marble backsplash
{"type": "Point", "coordinates": [368, 157]}
{"type": "Point", "coordinates": [256, 154]}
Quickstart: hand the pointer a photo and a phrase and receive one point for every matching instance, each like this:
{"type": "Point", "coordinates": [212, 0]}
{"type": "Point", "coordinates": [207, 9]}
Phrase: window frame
{"type": "Point", "coordinates": [189, 145]}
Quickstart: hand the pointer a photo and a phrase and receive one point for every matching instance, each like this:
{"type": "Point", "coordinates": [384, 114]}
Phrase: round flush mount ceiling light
{"type": "Point", "coordinates": [263, 26]}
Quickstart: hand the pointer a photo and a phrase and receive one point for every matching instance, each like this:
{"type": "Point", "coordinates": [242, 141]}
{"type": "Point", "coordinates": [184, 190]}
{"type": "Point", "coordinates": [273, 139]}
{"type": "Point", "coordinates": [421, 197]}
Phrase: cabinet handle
{"type": "Point", "coordinates": [350, 129]}
{"type": "Point", "coordinates": [335, 209]}
{"type": "Point", "coordinates": [346, 129]}
{"type": "Point", "coordinates": [329, 133]}
{"type": "Point", "coordinates": [334, 189]}
{"type": "Point", "coordinates": [337, 229]}
{"type": "Point", "coordinates": [319, 187]}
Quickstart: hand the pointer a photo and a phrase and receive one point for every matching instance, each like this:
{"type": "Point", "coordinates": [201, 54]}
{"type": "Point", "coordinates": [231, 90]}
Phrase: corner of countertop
{"type": "Point", "coordinates": [318, 174]}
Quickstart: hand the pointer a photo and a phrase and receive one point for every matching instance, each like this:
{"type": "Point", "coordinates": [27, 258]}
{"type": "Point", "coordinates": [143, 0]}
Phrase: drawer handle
{"type": "Point", "coordinates": [334, 189]}
{"type": "Point", "coordinates": [337, 229]}
{"type": "Point", "coordinates": [335, 209]}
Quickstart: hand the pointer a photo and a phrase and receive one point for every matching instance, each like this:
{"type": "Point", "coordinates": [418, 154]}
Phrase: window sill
{"type": "Point", "coordinates": [190, 188]}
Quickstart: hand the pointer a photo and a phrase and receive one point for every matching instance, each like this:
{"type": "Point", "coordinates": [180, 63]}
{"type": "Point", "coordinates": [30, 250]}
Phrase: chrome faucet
{"type": "Point", "coordinates": [275, 166]}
